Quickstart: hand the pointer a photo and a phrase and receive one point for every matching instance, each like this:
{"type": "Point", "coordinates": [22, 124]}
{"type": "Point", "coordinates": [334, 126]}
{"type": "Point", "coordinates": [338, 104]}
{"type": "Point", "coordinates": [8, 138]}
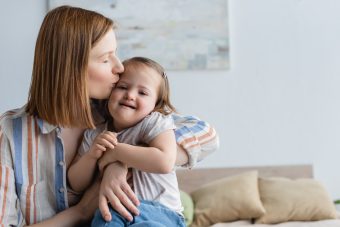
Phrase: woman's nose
{"type": "Point", "coordinates": [117, 66]}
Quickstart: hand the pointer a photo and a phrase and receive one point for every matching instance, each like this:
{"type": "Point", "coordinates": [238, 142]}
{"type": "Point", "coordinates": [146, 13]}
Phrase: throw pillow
{"type": "Point", "coordinates": [188, 206]}
{"type": "Point", "coordinates": [228, 199]}
{"type": "Point", "coordinates": [294, 200]}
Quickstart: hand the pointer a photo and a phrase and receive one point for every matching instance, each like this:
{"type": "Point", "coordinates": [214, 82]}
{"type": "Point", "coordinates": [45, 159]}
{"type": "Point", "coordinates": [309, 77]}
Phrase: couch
{"type": "Point", "coordinates": [192, 182]}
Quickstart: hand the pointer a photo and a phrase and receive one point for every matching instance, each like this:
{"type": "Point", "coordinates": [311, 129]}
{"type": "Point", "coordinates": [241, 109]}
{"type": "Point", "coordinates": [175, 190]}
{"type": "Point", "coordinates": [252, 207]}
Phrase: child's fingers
{"type": "Point", "coordinates": [100, 147]}
{"type": "Point", "coordinates": [106, 143]}
{"type": "Point", "coordinates": [109, 140]}
{"type": "Point", "coordinates": [112, 137]}
{"type": "Point", "coordinates": [113, 134]}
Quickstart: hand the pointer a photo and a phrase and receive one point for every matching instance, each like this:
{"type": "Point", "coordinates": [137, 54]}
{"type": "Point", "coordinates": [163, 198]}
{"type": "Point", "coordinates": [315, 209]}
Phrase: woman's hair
{"type": "Point", "coordinates": [58, 91]}
{"type": "Point", "coordinates": [163, 104]}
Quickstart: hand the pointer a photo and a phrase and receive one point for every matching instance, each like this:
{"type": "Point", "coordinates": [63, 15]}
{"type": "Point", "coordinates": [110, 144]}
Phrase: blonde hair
{"type": "Point", "coordinates": [58, 91]}
{"type": "Point", "coordinates": [163, 104]}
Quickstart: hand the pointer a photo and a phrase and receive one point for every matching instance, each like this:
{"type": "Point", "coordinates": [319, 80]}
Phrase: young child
{"type": "Point", "coordinates": [140, 107]}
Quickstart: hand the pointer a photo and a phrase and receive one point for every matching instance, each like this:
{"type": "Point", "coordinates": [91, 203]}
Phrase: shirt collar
{"type": "Point", "coordinates": [45, 127]}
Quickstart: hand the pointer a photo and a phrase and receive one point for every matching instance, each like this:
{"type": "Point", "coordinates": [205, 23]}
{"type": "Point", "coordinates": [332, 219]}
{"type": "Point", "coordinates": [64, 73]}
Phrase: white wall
{"type": "Point", "coordinates": [278, 104]}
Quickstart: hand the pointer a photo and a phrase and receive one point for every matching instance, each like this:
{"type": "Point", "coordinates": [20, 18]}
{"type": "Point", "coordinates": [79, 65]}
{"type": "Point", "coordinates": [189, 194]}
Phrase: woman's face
{"type": "Point", "coordinates": [104, 67]}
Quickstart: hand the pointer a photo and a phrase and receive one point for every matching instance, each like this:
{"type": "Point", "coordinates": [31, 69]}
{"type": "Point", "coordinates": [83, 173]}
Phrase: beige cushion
{"type": "Point", "coordinates": [228, 199]}
{"type": "Point", "coordinates": [294, 200]}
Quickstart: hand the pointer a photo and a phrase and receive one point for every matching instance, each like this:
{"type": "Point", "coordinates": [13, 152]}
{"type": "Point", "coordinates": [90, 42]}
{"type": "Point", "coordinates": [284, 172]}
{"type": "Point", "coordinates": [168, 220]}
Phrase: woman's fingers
{"type": "Point", "coordinates": [104, 208]}
{"type": "Point", "coordinates": [132, 198]}
{"type": "Point", "coordinates": [118, 206]}
{"type": "Point", "coordinates": [124, 199]}
{"type": "Point", "coordinates": [116, 190]}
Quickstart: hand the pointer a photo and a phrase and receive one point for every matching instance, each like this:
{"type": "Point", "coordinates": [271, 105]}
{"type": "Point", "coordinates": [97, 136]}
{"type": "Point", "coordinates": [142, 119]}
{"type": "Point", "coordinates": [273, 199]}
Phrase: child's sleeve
{"type": "Point", "coordinates": [88, 138]}
{"type": "Point", "coordinates": [196, 137]}
{"type": "Point", "coordinates": [154, 124]}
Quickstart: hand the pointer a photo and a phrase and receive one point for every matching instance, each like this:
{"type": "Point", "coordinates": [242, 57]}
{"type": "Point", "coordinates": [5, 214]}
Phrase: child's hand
{"type": "Point", "coordinates": [108, 157]}
{"type": "Point", "coordinates": [105, 140]}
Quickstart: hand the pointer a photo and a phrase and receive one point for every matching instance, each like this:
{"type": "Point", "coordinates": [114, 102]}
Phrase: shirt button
{"type": "Point", "coordinates": [61, 190]}
{"type": "Point", "coordinates": [61, 163]}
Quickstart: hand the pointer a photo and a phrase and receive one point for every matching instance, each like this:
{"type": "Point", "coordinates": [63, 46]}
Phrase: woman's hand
{"type": "Point", "coordinates": [89, 202]}
{"type": "Point", "coordinates": [115, 190]}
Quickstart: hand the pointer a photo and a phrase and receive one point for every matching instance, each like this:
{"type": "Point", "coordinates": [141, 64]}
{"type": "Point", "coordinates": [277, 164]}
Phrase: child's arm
{"type": "Point", "coordinates": [82, 169]}
{"type": "Point", "coordinates": [158, 157]}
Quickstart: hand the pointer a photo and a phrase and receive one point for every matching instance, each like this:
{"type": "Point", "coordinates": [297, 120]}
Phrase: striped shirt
{"type": "Point", "coordinates": [33, 184]}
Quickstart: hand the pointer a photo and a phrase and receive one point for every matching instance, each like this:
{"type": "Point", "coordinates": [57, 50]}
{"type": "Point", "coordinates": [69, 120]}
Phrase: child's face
{"type": "Point", "coordinates": [134, 96]}
{"type": "Point", "coordinates": [103, 67]}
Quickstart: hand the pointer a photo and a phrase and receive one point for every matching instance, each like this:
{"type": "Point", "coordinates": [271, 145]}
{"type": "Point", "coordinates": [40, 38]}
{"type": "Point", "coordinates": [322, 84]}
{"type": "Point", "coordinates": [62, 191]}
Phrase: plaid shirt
{"type": "Point", "coordinates": [33, 183]}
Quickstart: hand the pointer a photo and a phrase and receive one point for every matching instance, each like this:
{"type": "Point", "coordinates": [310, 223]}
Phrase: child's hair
{"type": "Point", "coordinates": [163, 104]}
{"type": "Point", "coordinates": [58, 91]}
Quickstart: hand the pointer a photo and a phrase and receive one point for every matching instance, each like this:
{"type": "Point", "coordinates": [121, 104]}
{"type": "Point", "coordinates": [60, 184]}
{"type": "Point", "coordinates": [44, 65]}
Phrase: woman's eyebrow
{"type": "Point", "coordinates": [106, 53]}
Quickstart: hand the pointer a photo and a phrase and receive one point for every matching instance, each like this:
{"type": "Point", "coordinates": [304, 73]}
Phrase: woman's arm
{"type": "Point", "coordinates": [113, 188]}
{"type": "Point", "coordinates": [77, 215]}
{"type": "Point", "coordinates": [182, 157]}
{"type": "Point", "coordinates": [195, 137]}
{"type": "Point", "coordinates": [158, 157]}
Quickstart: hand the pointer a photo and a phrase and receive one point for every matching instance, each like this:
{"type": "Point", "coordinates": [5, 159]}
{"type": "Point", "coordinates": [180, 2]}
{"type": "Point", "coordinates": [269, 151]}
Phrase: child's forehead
{"type": "Point", "coordinates": [146, 76]}
{"type": "Point", "coordinates": [133, 66]}
{"type": "Point", "coordinates": [136, 69]}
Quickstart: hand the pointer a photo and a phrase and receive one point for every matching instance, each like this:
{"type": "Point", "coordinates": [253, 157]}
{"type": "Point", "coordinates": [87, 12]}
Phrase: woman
{"type": "Point", "coordinates": [75, 67]}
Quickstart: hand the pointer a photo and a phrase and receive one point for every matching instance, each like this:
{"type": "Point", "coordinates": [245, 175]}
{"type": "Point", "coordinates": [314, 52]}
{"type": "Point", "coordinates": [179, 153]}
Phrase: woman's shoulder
{"type": "Point", "coordinates": [7, 118]}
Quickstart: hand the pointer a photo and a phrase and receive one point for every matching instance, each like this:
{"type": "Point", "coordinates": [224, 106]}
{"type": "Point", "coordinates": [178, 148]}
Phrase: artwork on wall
{"type": "Point", "coordinates": [179, 34]}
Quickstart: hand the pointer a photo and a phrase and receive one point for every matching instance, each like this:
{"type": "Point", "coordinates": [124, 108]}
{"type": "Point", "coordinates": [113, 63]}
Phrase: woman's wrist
{"type": "Point", "coordinates": [114, 164]}
{"type": "Point", "coordinates": [81, 213]}
{"type": "Point", "coordinates": [85, 209]}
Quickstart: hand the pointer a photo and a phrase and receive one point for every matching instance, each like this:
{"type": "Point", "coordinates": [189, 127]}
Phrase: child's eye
{"type": "Point", "coordinates": [143, 93]}
{"type": "Point", "coordinates": [105, 61]}
{"type": "Point", "coordinates": [123, 87]}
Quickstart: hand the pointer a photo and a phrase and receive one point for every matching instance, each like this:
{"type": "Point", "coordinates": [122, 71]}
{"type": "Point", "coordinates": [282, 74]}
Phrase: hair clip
{"type": "Point", "coordinates": [164, 75]}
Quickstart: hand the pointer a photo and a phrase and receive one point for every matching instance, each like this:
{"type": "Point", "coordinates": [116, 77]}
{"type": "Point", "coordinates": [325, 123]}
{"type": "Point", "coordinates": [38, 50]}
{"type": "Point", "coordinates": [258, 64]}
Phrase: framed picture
{"type": "Point", "coordinates": [179, 34]}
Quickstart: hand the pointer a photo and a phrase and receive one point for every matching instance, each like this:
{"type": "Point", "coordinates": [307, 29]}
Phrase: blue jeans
{"type": "Point", "coordinates": [151, 214]}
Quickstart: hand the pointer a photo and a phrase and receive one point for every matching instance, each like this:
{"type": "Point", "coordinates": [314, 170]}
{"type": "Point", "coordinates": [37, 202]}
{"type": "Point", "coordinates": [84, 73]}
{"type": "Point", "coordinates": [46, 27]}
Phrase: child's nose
{"type": "Point", "coordinates": [129, 95]}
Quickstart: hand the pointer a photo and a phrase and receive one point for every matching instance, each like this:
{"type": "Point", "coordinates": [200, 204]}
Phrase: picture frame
{"type": "Point", "coordinates": [179, 34]}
